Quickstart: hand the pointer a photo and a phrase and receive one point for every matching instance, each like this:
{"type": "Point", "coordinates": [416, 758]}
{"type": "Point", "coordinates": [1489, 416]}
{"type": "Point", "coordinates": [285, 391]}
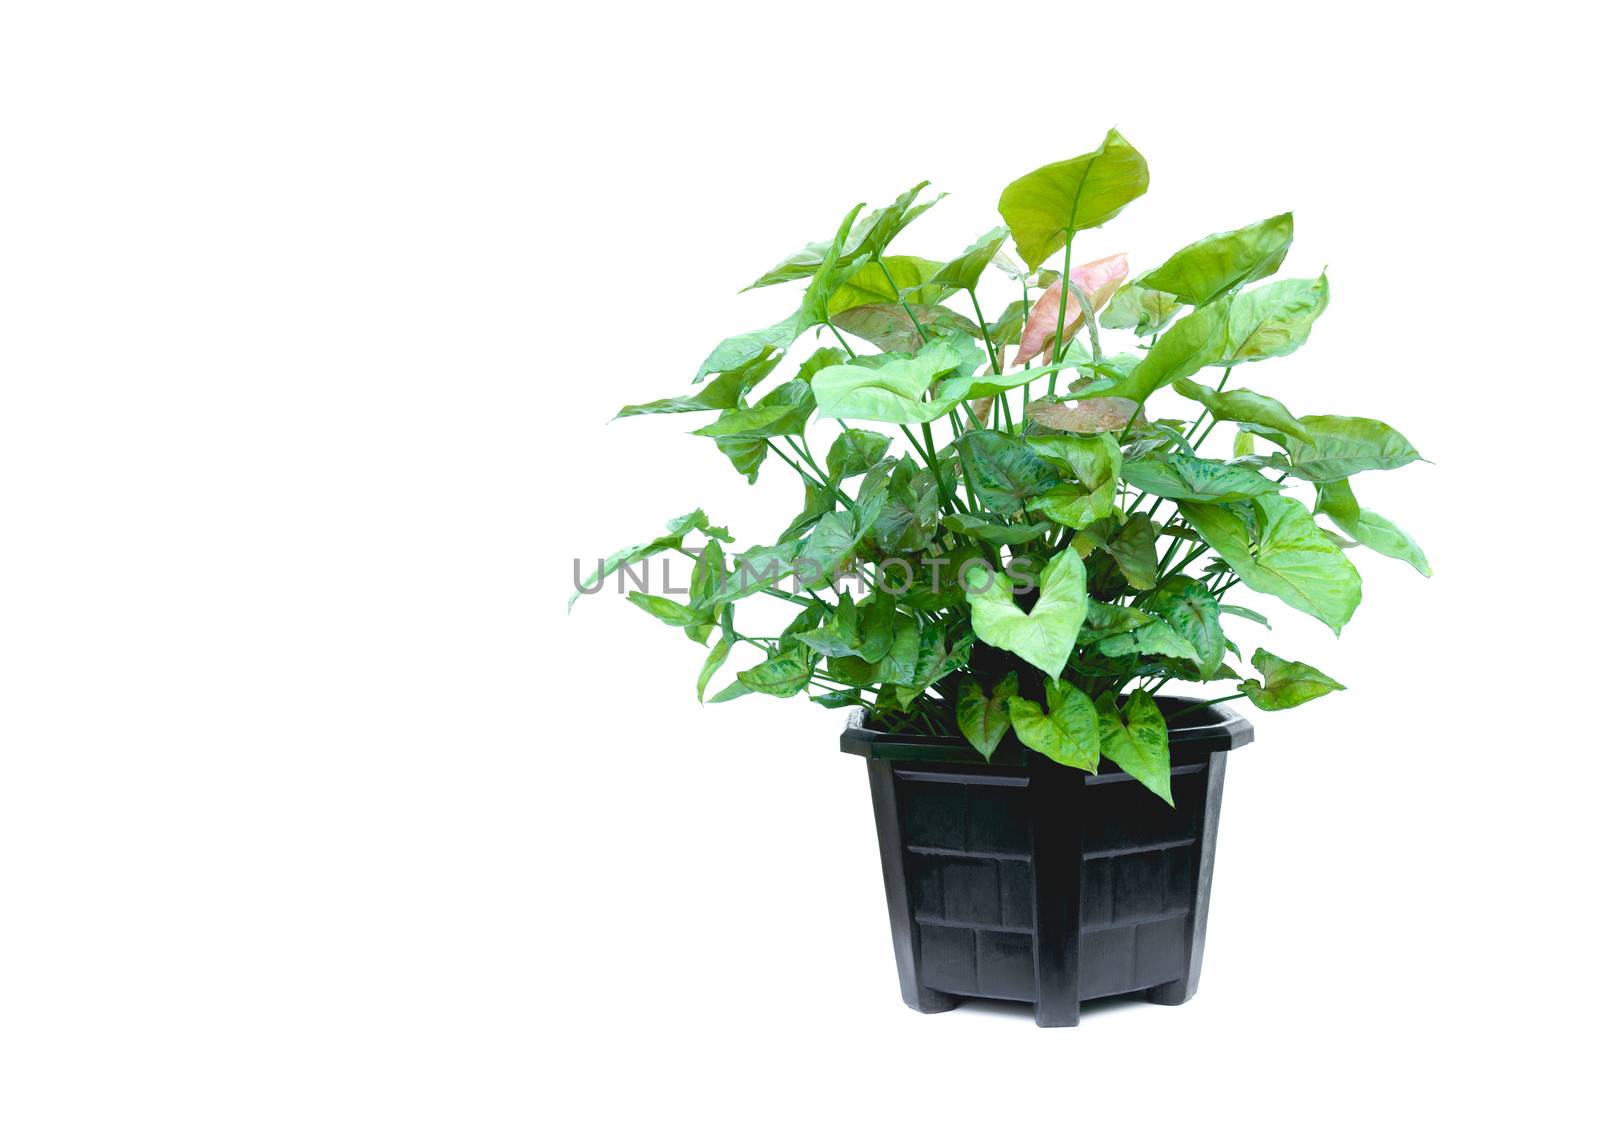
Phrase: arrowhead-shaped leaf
{"type": "Point", "coordinates": [888, 389]}
{"type": "Point", "coordinates": [1137, 307]}
{"type": "Point", "coordinates": [981, 529]}
{"type": "Point", "coordinates": [782, 676]}
{"type": "Point", "coordinates": [1135, 738]}
{"type": "Point", "coordinates": [984, 719]}
{"type": "Point", "coordinates": [1177, 477]}
{"type": "Point", "coordinates": [906, 281]}
{"type": "Point", "coordinates": [1241, 405]}
{"type": "Point", "coordinates": [891, 329]}
{"type": "Point", "coordinates": [1343, 446]}
{"type": "Point", "coordinates": [1044, 636]}
{"type": "Point", "coordinates": [1045, 206]}
{"type": "Point", "coordinates": [1069, 733]}
{"type": "Point", "coordinates": [1274, 320]}
{"type": "Point", "coordinates": [1284, 683]}
{"type": "Point", "coordinates": [1290, 559]}
{"type": "Point", "coordinates": [1366, 527]}
{"type": "Point", "coordinates": [677, 531]}
{"type": "Point", "coordinates": [1095, 464]}
{"type": "Point", "coordinates": [1193, 612]}
{"type": "Point", "coordinates": [1209, 268]}
{"type": "Point", "coordinates": [963, 272]}
{"type": "Point", "coordinates": [1194, 342]}
{"type": "Point", "coordinates": [1006, 472]}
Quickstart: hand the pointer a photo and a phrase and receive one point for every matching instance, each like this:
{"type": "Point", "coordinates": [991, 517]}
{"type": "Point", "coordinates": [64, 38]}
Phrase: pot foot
{"type": "Point", "coordinates": [1173, 992]}
{"type": "Point", "coordinates": [929, 1001]}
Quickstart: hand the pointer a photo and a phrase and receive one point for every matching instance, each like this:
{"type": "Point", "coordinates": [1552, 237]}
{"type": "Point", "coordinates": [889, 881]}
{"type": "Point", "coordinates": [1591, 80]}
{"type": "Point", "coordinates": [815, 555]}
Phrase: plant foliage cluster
{"type": "Point", "coordinates": [1030, 553]}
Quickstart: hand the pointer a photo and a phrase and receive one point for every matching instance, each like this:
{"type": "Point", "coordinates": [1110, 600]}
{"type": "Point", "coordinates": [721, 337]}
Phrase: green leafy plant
{"type": "Point", "coordinates": [1063, 554]}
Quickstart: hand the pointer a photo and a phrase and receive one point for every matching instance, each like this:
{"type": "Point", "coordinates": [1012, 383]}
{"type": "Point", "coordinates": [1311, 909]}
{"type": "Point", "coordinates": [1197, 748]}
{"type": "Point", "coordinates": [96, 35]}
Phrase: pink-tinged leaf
{"type": "Point", "coordinates": [1098, 280]}
{"type": "Point", "coordinates": [1091, 415]}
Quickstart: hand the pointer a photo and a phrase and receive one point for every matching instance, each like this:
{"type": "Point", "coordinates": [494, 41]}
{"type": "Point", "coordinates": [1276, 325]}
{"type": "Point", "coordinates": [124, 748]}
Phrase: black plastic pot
{"type": "Point", "coordinates": [1026, 880]}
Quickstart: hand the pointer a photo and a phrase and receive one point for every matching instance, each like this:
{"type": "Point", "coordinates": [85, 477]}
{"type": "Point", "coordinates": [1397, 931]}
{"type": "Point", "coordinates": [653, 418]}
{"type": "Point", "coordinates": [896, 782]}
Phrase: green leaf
{"type": "Point", "coordinates": [1137, 307]}
{"type": "Point", "coordinates": [909, 511]}
{"type": "Point", "coordinates": [1192, 478]}
{"type": "Point", "coordinates": [1245, 613]}
{"type": "Point", "coordinates": [973, 388]}
{"type": "Point", "coordinates": [1006, 472]}
{"type": "Point", "coordinates": [1366, 527]}
{"type": "Point", "coordinates": [755, 570]}
{"type": "Point", "coordinates": [1205, 270]}
{"type": "Point", "coordinates": [746, 454]}
{"type": "Point", "coordinates": [1134, 550]}
{"type": "Point", "coordinates": [1193, 342]}
{"type": "Point", "coordinates": [839, 635]}
{"type": "Point", "coordinates": [1136, 740]}
{"type": "Point", "coordinates": [906, 281]}
{"type": "Point", "coordinates": [831, 545]}
{"type": "Point", "coordinates": [1095, 463]}
{"type": "Point", "coordinates": [934, 662]}
{"type": "Point", "coordinates": [1007, 329]}
{"type": "Point", "coordinates": [1044, 636]}
{"type": "Point", "coordinates": [891, 329]}
{"type": "Point", "coordinates": [981, 529]}
{"type": "Point", "coordinates": [730, 692]}
{"type": "Point", "coordinates": [755, 423]}
{"type": "Point", "coordinates": [714, 661]}
{"type": "Point", "coordinates": [838, 700]}
{"type": "Point", "coordinates": [832, 267]}
{"type": "Point", "coordinates": [899, 662]}
{"type": "Point", "coordinates": [854, 451]}
{"type": "Point", "coordinates": [710, 573]}
{"type": "Point", "coordinates": [1117, 632]}
{"type": "Point", "coordinates": [669, 611]}
{"type": "Point", "coordinates": [873, 232]}
{"type": "Point", "coordinates": [1343, 446]}
{"type": "Point", "coordinates": [888, 389]}
{"type": "Point", "coordinates": [677, 530]}
{"type": "Point", "coordinates": [882, 225]}
{"type": "Point", "coordinates": [725, 392]}
{"type": "Point", "coordinates": [963, 272]}
{"type": "Point", "coordinates": [818, 503]}
{"type": "Point", "coordinates": [1068, 734]}
{"type": "Point", "coordinates": [1291, 559]}
{"type": "Point", "coordinates": [782, 675]}
{"type": "Point", "coordinates": [1193, 612]}
{"type": "Point", "coordinates": [1241, 405]}
{"type": "Point", "coordinates": [1285, 683]}
{"type": "Point", "coordinates": [744, 349]}
{"type": "Point", "coordinates": [1274, 320]}
{"type": "Point", "coordinates": [984, 719]}
{"type": "Point", "coordinates": [1043, 208]}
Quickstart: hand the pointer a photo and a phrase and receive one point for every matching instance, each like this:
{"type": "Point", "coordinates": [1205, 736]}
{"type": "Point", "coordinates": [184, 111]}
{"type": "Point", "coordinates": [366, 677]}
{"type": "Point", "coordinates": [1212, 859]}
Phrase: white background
{"type": "Point", "coordinates": [320, 819]}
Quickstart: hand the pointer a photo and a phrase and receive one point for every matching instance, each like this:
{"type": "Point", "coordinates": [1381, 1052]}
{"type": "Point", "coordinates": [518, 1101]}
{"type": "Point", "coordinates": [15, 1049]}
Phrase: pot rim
{"type": "Point", "coordinates": [1208, 729]}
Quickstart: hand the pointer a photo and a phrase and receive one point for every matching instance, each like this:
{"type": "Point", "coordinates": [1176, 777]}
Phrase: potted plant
{"type": "Point", "coordinates": [1010, 539]}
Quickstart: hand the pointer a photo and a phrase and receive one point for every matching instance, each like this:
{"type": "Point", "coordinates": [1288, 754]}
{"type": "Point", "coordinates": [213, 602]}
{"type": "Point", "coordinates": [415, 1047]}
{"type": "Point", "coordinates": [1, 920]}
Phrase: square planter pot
{"type": "Point", "coordinates": [1021, 879]}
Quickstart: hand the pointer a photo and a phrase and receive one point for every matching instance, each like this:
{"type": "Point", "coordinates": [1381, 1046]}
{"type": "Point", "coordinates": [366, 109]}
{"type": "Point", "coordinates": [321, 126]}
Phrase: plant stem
{"type": "Point", "coordinates": [933, 461]}
{"type": "Point", "coordinates": [887, 277]}
{"type": "Point", "coordinates": [1086, 308]}
{"type": "Point", "coordinates": [1225, 374]}
{"type": "Point", "coordinates": [1061, 310]}
{"type": "Point", "coordinates": [805, 454]}
{"type": "Point", "coordinates": [838, 494]}
{"type": "Point", "coordinates": [1196, 706]}
{"type": "Point", "coordinates": [994, 358]}
{"type": "Point", "coordinates": [842, 341]}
